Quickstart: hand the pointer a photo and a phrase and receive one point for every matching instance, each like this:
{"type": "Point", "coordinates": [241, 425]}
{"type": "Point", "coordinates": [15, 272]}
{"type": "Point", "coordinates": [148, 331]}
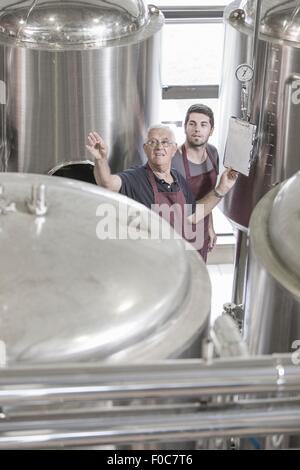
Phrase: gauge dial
{"type": "Point", "coordinates": [244, 73]}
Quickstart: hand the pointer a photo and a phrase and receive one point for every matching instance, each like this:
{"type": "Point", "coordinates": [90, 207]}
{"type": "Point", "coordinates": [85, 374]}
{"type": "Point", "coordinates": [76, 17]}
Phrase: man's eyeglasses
{"type": "Point", "coordinates": [154, 142]}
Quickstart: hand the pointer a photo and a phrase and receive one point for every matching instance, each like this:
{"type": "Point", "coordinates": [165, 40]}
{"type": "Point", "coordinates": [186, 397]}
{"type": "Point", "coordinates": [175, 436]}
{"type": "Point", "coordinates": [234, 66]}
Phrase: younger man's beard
{"type": "Point", "coordinates": [193, 144]}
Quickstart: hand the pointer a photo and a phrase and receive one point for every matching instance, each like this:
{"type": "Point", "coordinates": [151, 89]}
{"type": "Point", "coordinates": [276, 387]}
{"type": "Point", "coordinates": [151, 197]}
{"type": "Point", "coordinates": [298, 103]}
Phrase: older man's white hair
{"type": "Point", "coordinates": [161, 126]}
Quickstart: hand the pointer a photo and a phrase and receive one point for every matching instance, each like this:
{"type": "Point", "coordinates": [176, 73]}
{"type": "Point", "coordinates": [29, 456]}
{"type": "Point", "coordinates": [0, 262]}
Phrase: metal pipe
{"type": "Point", "coordinates": [100, 410]}
{"type": "Point", "coordinates": [18, 374]}
{"type": "Point", "coordinates": [257, 422]}
{"type": "Point", "coordinates": [240, 267]}
{"type": "Point", "coordinates": [255, 49]}
{"type": "Point", "coordinates": [229, 341]}
{"type": "Point", "coordinates": [3, 137]}
{"type": "Point", "coordinates": [105, 412]}
{"type": "Point", "coordinates": [176, 379]}
{"type": "Point", "coordinates": [256, 32]}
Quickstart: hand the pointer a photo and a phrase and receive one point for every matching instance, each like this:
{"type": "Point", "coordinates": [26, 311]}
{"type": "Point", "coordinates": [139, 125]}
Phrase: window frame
{"type": "Point", "coordinates": [186, 15]}
{"type": "Point", "coordinates": [194, 15]}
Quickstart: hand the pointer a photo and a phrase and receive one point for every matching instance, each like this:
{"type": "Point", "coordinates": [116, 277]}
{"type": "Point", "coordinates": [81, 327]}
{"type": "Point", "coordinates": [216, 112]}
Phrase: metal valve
{"type": "Point", "coordinates": [238, 14]}
{"type": "Point", "coordinates": [153, 10]}
{"type": "Point", "coordinates": [236, 312]}
{"type": "Point", "coordinates": [5, 205]}
{"type": "Point", "coordinates": [37, 204]}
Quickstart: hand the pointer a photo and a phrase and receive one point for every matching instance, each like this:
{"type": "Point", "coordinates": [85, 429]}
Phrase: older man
{"type": "Point", "coordinates": [155, 183]}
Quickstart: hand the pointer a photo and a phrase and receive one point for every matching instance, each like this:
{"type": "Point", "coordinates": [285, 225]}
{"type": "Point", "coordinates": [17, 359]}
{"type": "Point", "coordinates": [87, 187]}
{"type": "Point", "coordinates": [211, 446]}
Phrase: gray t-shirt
{"type": "Point", "coordinates": [197, 168]}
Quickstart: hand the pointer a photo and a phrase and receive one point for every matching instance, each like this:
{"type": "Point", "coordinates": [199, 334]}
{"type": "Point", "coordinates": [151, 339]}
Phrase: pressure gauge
{"type": "Point", "coordinates": [244, 73]}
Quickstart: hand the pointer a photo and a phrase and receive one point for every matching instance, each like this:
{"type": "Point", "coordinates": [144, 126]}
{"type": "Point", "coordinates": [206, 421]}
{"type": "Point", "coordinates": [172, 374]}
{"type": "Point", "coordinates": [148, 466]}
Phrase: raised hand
{"type": "Point", "coordinates": [97, 147]}
{"type": "Point", "coordinates": [227, 181]}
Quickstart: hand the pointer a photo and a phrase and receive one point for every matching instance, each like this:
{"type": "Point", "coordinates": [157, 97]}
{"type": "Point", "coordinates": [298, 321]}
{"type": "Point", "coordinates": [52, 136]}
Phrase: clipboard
{"type": "Point", "coordinates": [239, 145]}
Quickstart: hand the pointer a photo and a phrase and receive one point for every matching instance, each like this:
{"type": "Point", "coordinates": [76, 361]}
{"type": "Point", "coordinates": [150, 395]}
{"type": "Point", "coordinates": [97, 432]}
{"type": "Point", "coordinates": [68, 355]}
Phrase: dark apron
{"type": "Point", "coordinates": [200, 186]}
{"type": "Point", "coordinates": [170, 199]}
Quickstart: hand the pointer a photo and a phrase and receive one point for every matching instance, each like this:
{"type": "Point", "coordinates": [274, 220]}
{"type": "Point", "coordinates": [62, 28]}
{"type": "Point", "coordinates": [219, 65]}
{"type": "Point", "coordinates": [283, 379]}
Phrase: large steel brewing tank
{"type": "Point", "coordinates": [272, 319]}
{"type": "Point", "coordinates": [73, 66]}
{"type": "Point", "coordinates": [80, 283]}
{"type": "Point", "coordinates": [273, 103]}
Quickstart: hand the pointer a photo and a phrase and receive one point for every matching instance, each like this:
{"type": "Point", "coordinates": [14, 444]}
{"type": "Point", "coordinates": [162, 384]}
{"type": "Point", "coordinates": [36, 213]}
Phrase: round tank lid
{"type": "Point", "coordinates": [68, 23]}
{"type": "Point", "coordinates": [284, 224]}
{"type": "Point", "coordinates": [81, 283]}
{"type": "Point", "coordinates": [279, 20]}
{"type": "Point", "coordinates": [283, 22]}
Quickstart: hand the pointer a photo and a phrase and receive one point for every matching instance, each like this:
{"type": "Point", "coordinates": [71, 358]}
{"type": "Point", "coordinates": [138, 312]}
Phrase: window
{"type": "Point", "coordinates": [192, 51]}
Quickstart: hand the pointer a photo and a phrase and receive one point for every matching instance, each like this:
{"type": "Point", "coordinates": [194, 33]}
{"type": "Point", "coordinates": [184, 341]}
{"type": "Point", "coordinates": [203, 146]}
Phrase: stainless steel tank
{"type": "Point", "coordinates": [78, 282]}
{"type": "Point", "coordinates": [272, 318]}
{"type": "Point", "coordinates": [70, 67]}
{"type": "Point", "coordinates": [273, 103]}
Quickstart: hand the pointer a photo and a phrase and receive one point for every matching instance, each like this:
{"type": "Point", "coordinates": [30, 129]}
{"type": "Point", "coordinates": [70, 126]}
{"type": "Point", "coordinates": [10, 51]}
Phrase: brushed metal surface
{"type": "Point", "coordinates": [59, 89]}
{"type": "Point", "coordinates": [75, 24]}
{"type": "Point", "coordinates": [66, 295]}
{"type": "Point", "coordinates": [272, 316]}
{"type": "Point", "coordinates": [271, 104]}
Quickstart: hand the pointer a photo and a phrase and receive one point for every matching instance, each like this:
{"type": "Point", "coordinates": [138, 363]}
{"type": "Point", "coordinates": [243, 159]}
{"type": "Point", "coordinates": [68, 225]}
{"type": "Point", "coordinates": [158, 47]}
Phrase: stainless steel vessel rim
{"type": "Point", "coordinates": [67, 163]}
{"type": "Point", "coordinates": [184, 325]}
{"type": "Point", "coordinates": [274, 27]}
{"type": "Point", "coordinates": [284, 223]}
{"type": "Point", "coordinates": [260, 240]}
{"type": "Point", "coordinates": [87, 28]}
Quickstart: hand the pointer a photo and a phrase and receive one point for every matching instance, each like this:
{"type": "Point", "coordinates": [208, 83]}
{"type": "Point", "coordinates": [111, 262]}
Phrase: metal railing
{"type": "Point", "coordinates": [90, 404]}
